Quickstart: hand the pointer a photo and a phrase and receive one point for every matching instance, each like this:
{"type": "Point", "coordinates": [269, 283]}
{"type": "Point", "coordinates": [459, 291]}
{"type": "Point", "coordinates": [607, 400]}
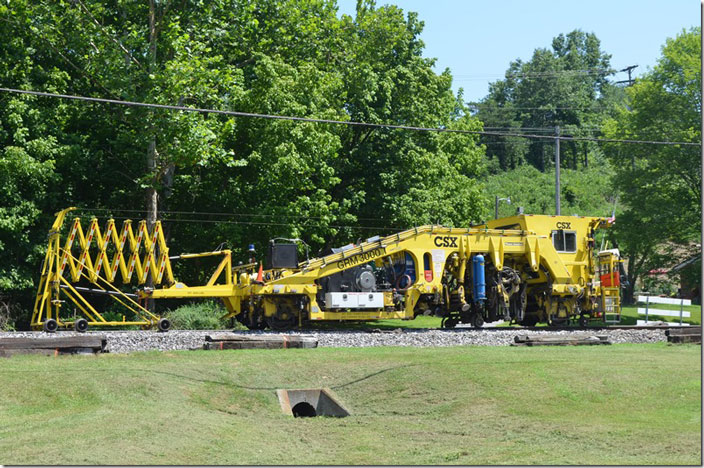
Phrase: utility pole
{"type": "Point", "coordinates": [701, 134]}
{"type": "Point", "coordinates": [629, 80]}
{"type": "Point", "coordinates": [557, 170]}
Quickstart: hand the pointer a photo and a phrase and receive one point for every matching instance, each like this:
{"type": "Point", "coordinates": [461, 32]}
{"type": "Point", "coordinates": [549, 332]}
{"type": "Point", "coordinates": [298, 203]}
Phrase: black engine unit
{"type": "Point", "coordinates": [282, 256]}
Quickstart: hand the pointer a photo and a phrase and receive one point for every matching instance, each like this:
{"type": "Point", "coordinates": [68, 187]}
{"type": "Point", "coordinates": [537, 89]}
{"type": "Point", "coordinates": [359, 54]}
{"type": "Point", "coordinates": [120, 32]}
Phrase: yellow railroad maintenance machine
{"type": "Point", "coordinates": [523, 269]}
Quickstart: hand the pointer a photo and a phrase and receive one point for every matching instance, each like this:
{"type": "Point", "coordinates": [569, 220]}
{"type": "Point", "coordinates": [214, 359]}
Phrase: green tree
{"type": "Point", "coordinates": [660, 184]}
{"type": "Point", "coordinates": [277, 178]}
{"type": "Point", "coordinates": [584, 192]}
{"type": "Point", "coordinates": [563, 86]}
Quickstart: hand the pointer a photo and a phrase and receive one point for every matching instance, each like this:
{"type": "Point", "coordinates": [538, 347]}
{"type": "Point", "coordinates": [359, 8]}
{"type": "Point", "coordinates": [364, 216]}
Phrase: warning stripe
{"type": "Point", "coordinates": [117, 263]}
{"type": "Point", "coordinates": [146, 268]}
{"type": "Point", "coordinates": [124, 239]}
{"type": "Point", "coordinates": [120, 257]}
{"type": "Point", "coordinates": [129, 273]}
{"type": "Point", "coordinates": [63, 264]}
{"type": "Point", "coordinates": [107, 237]}
{"type": "Point", "coordinates": [68, 248]}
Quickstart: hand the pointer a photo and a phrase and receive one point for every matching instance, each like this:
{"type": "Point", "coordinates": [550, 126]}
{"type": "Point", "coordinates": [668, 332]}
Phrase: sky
{"type": "Point", "coordinates": [477, 39]}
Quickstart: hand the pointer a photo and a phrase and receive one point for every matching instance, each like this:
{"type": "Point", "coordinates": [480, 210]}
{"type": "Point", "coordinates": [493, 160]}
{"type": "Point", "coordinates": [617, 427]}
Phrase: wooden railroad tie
{"type": "Point", "coordinates": [84, 344]}
{"type": "Point", "coordinates": [572, 340]}
{"type": "Point", "coordinates": [684, 335]}
{"type": "Point", "coordinates": [235, 341]}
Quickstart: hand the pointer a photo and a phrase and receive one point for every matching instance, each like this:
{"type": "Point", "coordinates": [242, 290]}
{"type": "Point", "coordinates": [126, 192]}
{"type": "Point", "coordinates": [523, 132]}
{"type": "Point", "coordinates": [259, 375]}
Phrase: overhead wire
{"type": "Point", "coordinates": [589, 71]}
{"type": "Point", "coordinates": [333, 122]}
{"type": "Point", "coordinates": [207, 213]}
{"type": "Point", "coordinates": [258, 223]}
{"type": "Point", "coordinates": [481, 106]}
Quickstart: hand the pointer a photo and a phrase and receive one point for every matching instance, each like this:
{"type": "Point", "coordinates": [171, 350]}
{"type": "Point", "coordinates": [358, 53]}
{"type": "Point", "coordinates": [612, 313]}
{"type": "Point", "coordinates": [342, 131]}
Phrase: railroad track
{"type": "Point", "coordinates": [123, 341]}
{"type": "Point", "coordinates": [604, 327]}
{"type": "Point", "coordinates": [380, 330]}
{"type": "Point", "coordinates": [470, 329]}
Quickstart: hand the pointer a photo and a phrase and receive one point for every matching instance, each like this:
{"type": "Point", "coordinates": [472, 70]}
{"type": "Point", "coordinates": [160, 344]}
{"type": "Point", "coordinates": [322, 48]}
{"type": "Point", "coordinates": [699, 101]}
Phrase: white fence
{"type": "Point", "coordinates": [647, 310]}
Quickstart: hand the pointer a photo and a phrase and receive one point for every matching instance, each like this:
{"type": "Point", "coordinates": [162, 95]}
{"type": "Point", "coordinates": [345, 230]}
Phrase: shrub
{"type": "Point", "coordinates": [198, 316]}
{"type": "Point", "coordinates": [7, 311]}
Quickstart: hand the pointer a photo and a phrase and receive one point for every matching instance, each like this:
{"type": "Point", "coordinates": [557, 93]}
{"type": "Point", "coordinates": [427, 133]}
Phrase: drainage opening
{"type": "Point", "coordinates": [311, 402]}
{"type": "Point", "coordinates": [303, 410]}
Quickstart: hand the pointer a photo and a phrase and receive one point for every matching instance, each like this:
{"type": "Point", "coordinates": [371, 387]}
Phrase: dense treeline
{"type": "Point", "coordinates": [281, 178]}
{"type": "Point", "coordinates": [565, 86]}
{"type": "Point", "coordinates": [327, 184]}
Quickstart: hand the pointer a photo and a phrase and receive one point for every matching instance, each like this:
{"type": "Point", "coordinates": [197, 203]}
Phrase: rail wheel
{"type": "Point", "coordinates": [558, 321]}
{"type": "Point", "coordinates": [285, 317]}
{"type": "Point", "coordinates": [80, 325]}
{"type": "Point", "coordinates": [477, 321]}
{"type": "Point", "coordinates": [164, 324]}
{"type": "Point", "coordinates": [583, 321]}
{"type": "Point", "coordinates": [50, 326]}
{"type": "Point", "coordinates": [278, 323]}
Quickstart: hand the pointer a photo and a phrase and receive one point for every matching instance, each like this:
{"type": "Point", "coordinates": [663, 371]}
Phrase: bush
{"type": "Point", "coordinates": [198, 316]}
{"type": "Point", "coordinates": [7, 312]}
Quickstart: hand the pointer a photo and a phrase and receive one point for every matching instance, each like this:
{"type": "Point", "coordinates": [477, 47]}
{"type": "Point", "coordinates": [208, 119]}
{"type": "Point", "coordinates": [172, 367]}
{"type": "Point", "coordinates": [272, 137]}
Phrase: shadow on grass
{"type": "Point", "coordinates": [206, 380]}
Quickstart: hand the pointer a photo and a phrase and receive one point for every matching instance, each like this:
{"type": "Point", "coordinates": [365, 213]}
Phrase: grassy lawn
{"type": "Point", "coordinates": [620, 404]}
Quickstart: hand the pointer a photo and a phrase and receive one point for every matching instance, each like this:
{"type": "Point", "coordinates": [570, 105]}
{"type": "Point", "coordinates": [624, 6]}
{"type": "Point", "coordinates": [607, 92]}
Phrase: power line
{"type": "Point", "coordinates": [329, 121]}
{"type": "Point", "coordinates": [261, 223]}
{"type": "Point", "coordinates": [590, 71]}
{"type": "Point", "coordinates": [206, 213]}
{"type": "Point", "coordinates": [543, 129]}
{"type": "Point", "coordinates": [485, 106]}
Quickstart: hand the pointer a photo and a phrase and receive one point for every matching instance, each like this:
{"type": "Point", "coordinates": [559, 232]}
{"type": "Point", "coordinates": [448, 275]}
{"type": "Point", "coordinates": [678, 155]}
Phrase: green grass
{"type": "Point", "coordinates": [620, 404]}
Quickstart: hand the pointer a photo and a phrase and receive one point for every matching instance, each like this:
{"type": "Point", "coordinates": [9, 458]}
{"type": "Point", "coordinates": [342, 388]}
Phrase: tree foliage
{"type": "Point", "coordinates": [324, 183]}
{"type": "Point", "coordinates": [660, 185]}
{"type": "Point", "coordinates": [563, 86]}
{"type": "Point", "coordinates": [584, 192]}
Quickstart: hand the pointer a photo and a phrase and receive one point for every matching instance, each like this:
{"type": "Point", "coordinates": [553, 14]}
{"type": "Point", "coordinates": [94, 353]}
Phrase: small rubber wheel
{"type": "Point", "coordinates": [50, 326]}
{"type": "Point", "coordinates": [478, 321]}
{"type": "Point", "coordinates": [583, 321]}
{"type": "Point", "coordinates": [80, 325]}
{"type": "Point", "coordinates": [164, 324]}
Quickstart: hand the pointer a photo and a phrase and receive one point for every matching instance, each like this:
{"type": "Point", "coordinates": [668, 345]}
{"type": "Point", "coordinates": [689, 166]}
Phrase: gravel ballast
{"type": "Point", "coordinates": [130, 341]}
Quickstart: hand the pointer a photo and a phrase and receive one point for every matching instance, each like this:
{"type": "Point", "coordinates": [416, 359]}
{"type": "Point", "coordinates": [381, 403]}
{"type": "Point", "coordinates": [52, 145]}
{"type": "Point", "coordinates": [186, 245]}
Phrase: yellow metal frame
{"type": "Point", "coordinates": [567, 279]}
{"type": "Point", "coordinates": [528, 240]}
{"type": "Point", "coordinates": [98, 270]}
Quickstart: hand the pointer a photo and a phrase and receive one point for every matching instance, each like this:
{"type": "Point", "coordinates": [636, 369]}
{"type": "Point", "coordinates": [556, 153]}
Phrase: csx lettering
{"type": "Point", "coordinates": [446, 241]}
{"type": "Point", "coordinates": [563, 225]}
{"type": "Point", "coordinates": [360, 258]}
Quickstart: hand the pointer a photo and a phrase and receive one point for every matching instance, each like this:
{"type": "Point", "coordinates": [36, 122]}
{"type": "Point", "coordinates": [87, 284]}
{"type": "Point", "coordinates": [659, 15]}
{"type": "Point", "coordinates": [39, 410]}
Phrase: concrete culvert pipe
{"type": "Point", "coordinates": [303, 410]}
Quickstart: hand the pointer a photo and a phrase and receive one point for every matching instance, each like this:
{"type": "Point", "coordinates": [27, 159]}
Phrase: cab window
{"type": "Point", "coordinates": [564, 241]}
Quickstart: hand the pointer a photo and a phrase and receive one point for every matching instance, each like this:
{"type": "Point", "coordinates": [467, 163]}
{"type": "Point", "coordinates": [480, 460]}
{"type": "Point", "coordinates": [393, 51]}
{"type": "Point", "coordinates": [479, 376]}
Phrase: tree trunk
{"type": "Point", "coordinates": [628, 298]}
